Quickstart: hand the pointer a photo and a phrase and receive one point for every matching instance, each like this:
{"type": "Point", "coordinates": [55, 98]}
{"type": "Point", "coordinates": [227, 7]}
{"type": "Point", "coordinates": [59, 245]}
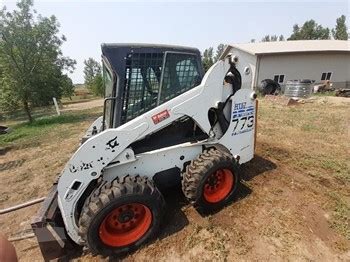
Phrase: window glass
{"type": "Point", "coordinates": [181, 73]}
{"type": "Point", "coordinates": [329, 75]}
{"type": "Point", "coordinates": [142, 81]}
{"type": "Point", "coordinates": [108, 84]}
{"type": "Point", "coordinates": [281, 80]}
{"type": "Point", "coordinates": [323, 77]}
{"type": "Point", "coordinates": [278, 78]}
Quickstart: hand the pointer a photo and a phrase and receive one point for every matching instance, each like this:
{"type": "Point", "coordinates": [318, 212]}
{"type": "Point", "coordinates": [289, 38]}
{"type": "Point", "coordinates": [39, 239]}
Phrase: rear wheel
{"type": "Point", "coordinates": [121, 215]}
{"type": "Point", "coordinates": [211, 180]}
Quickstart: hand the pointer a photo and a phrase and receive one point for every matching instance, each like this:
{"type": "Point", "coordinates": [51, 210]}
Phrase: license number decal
{"type": "Point", "coordinates": [242, 119]}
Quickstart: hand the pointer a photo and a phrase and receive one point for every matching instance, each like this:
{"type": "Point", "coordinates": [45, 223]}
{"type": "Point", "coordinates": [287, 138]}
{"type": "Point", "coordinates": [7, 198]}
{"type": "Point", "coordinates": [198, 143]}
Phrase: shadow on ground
{"type": "Point", "coordinates": [257, 166]}
{"type": "Point", "coordinates": [11, 164]}
{"type": "Point", "coordinates": [4, 150]}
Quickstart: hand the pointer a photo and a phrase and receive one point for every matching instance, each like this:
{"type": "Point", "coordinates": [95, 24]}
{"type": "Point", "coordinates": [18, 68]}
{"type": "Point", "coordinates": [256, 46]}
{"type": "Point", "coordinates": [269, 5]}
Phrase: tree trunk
{"type": "Point", "coordinates": [27, 109]}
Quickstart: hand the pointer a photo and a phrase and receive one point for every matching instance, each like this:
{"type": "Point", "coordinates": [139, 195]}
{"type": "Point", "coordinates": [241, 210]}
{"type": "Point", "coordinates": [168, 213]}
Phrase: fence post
{"type": "Point", "coordinates": [56, 106]}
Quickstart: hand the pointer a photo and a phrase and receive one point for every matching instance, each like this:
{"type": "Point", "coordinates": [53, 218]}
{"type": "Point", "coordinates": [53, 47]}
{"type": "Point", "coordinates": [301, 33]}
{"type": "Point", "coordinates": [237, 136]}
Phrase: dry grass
{"type": "Point", "coordinates": [313, 139]}
{"type": "Point", "coordinates": [294, 206]}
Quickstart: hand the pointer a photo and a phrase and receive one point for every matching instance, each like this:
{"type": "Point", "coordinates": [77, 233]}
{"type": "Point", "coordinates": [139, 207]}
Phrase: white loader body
{"type": "Point", "coordinates": [108, 153]}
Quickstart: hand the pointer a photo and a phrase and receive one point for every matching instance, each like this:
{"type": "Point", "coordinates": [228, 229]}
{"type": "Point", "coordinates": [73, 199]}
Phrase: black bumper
{"type": "Point", "coordinates": [50, 232]}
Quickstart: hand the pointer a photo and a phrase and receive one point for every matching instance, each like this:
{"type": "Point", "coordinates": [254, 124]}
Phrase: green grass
{"type": "Point", "coordinates": [341, 216]}
{"type": "Point", "coordinates": [37, 112]}
{"type": "Point", "coordinates": [20, 115]}
{"type": "Point", "coordinates": [30, 131]}
{"type": "Point", "coordinates": [329, 93]}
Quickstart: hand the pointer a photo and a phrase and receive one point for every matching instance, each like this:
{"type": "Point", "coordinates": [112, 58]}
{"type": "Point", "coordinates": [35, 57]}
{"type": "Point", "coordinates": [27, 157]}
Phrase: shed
{"type": "Point", "coordinates": [317, 60]}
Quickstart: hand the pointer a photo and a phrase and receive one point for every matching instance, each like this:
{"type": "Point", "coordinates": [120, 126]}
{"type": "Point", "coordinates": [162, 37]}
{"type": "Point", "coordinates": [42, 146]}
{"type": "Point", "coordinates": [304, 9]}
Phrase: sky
{"type": "Point", "coordinates": [202, 24]}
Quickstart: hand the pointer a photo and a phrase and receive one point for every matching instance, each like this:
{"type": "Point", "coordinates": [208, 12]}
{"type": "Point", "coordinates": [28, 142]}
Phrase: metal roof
{"type": "Point", "coordinates": [299, 46]}
{"type": "Point", "coordinates": [149, 45]}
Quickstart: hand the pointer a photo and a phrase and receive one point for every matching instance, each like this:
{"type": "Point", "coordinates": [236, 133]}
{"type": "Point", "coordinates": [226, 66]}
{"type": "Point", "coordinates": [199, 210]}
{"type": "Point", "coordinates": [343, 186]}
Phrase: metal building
{"type": "Point", "coordinates": [317, 60]}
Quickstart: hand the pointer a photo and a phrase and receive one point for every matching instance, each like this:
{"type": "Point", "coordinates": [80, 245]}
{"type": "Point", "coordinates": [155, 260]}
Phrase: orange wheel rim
{"type": "Point", "coordinates": [125, 225]}
{"type": "Point", "coordinates": [218, 186]}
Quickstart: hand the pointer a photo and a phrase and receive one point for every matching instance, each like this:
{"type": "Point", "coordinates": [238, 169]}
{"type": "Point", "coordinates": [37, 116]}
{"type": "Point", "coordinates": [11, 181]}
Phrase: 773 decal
{"type": "Point", "coordinates": [242, 120]}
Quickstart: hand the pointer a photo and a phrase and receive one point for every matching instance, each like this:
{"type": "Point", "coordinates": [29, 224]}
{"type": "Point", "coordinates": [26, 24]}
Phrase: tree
{"type": "Point", "coordinates": [67, 86]}
{"type": "Point", "coordinates": [310, 31]}
{"type": "Point", "coordinates": [272, 38]}
{"type": "Point", "coordinates": [340, 32]}
{"type": "Point", "coordinates": [266, 38]}
{"type": "Point", "coordinates": [31, 59]}
{"type": "Point", "coordinates": [93, 76]}
{"type": "Point", "coordinates": [98, 86]}
{"type": "Point", "coordinates": [219, 50]}
{"type": "Point", "coordinates": [207, 58]}
{"type": "Point", "coordinates": [91, 70]}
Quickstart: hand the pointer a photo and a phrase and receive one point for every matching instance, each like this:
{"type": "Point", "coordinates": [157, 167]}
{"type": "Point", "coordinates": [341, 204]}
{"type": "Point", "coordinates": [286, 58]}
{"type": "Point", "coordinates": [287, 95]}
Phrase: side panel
{"type": "Point", "coordinates": [239, 138]}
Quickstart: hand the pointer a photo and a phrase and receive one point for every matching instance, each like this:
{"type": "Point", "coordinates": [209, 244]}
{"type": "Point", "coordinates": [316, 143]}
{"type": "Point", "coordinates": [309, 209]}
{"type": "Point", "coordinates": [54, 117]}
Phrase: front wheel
{"type": "Point", "coordinates": [121, 216]}
{"type": "Point", "coordinates": [211, 180]}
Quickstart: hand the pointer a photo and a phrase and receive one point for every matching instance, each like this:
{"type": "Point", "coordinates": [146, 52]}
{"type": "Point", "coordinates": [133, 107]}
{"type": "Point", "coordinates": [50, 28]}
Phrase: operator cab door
{"type": "Point", "coordinates": [109, 104]}
{"type": "Point", "coordinates": [180, 73]}
{"type": "Point", "coordinates": [154, 78]}
{"type": "Point", "coordinates": [142, 84]}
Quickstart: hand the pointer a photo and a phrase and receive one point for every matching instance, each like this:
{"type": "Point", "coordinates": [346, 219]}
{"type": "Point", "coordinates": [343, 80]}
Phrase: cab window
{"type": "Point", "coordinates": [142, 81]}
{"type": "Point", "coordinates": [181, 73]}
{"type": "Point", "coordinates": [108, 84]}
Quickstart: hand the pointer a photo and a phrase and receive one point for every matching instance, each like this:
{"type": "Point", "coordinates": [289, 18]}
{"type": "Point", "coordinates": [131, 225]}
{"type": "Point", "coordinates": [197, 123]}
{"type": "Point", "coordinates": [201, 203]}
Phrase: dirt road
{"type": "Point", "coordinates": [84, 105]}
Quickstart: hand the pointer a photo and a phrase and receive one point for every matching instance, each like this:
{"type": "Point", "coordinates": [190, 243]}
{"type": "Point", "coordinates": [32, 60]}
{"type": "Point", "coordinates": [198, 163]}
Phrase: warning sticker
{"type": "Point", "coordinates": [160, 116]}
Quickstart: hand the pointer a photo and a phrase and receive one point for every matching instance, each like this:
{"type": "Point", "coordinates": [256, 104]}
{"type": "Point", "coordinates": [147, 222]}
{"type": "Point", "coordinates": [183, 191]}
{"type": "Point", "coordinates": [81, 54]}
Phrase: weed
{"type": "Point", "coordinates": [340, 220]}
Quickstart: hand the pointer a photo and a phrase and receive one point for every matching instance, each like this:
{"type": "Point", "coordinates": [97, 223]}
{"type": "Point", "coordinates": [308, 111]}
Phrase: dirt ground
{"type": "Point", "coordinates": [294, 203]}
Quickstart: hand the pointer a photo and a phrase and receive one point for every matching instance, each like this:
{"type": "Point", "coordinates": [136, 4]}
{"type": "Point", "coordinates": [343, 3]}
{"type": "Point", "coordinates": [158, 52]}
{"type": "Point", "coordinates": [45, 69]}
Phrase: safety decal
{"type": "Point", "coordinates": [242, 118]}
{"type": "Point", "coordinates": [160, 116]}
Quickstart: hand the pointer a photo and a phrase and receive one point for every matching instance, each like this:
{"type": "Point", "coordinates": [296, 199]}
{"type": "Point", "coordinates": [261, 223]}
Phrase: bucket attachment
{"type": "Point", "coordinates": [50, 232]}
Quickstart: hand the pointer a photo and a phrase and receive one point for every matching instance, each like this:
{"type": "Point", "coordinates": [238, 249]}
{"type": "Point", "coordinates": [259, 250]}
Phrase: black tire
{"type": "Point", "coordinates": [195, 178]}
{"type": "Point", "coordinates": [111, 196]}
{"type": "Point", "coordinates": [270, 89]}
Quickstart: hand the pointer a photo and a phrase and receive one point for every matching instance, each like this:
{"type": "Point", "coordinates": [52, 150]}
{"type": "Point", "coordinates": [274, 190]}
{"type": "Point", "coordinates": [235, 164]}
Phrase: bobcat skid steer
{"type": "Point", "coordinates": [163, 121]}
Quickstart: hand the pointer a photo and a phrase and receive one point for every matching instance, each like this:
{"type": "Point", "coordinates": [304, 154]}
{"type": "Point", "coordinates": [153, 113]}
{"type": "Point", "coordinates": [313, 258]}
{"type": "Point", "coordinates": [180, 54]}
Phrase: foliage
{"type": "Point", "coordinates": [340, 32]}
{"type": "Point", "coordinates": [98, 86]}
{"type": "Point", "coordinates": [93, 77]}
{"type": "Point", "coordinates": [219, 50]}
{"type": "Point", "coordinates": [272, 38]}
{"type": "Point", "coordinates": [67, 86]}
{"type": "Point", "coordinates": [31, 61]}
{"type": "Point", "coordinates": [310, 31]}
{"type": "Point", "coordinates": [8, 99]}
{"type": "Point", "coordinates": [208, 58]}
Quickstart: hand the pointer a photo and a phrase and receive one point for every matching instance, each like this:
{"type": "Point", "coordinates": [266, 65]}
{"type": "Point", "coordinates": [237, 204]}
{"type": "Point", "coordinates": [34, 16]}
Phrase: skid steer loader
{"type": "Point", "coordinates": [163, 121]}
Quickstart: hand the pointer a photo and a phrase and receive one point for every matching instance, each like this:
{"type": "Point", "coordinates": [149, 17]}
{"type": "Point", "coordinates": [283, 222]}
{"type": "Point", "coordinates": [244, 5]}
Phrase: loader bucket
{"type": "Point", "coordinates": [50, 232]}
